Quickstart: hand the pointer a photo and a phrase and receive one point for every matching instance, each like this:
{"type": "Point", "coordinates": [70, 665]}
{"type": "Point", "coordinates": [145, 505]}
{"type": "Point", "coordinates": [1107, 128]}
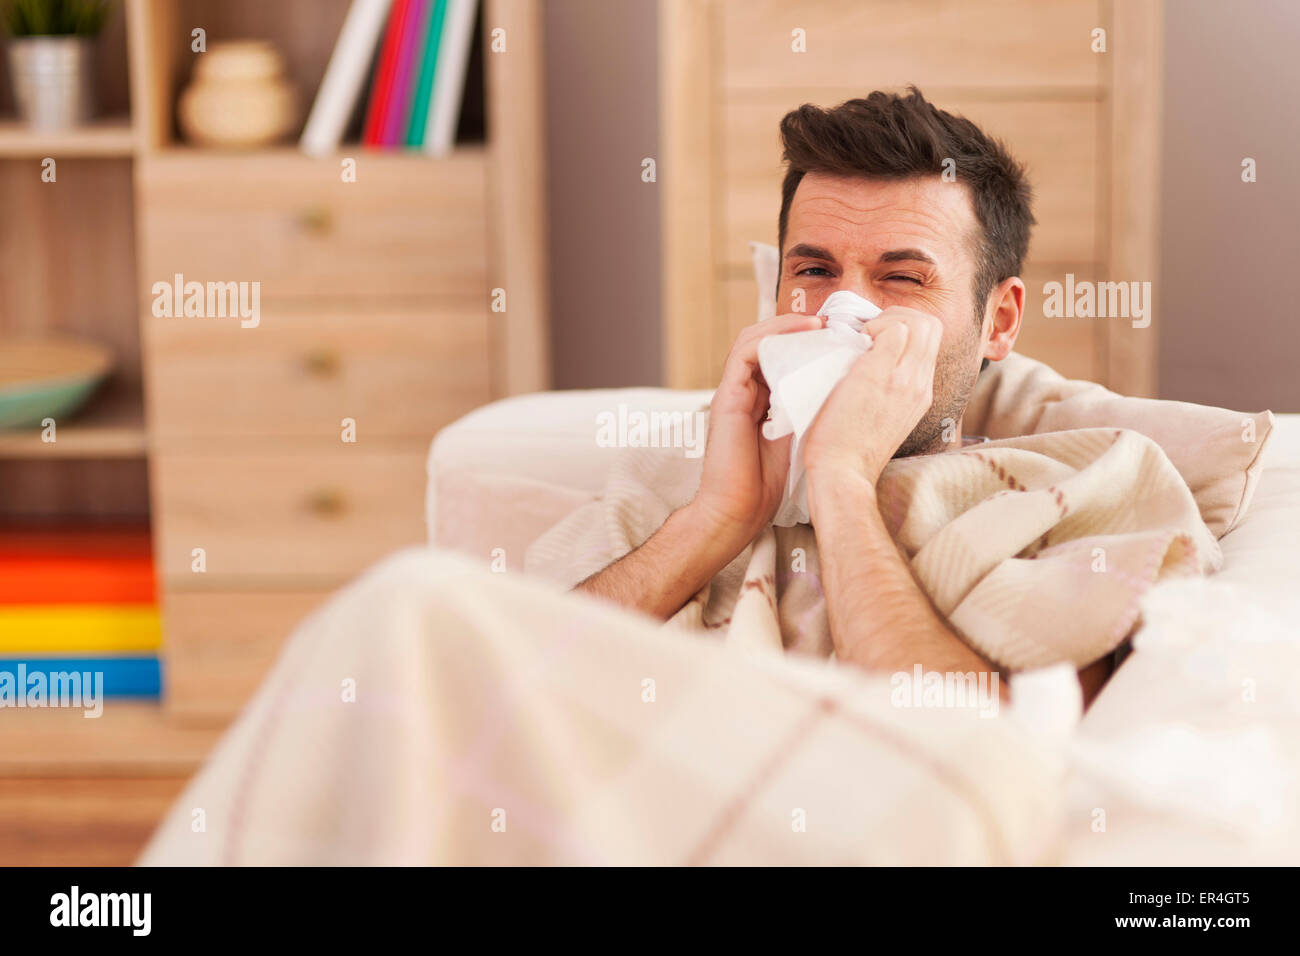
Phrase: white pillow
{"type": "Point", "coordinates": [767, 270]}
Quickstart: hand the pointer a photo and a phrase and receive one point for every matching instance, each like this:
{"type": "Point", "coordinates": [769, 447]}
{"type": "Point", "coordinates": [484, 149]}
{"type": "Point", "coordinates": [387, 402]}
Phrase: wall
{"type": "Point", "coordinates": [602, 120]}
{"type": "Point", "coordinates": [1230, 331]}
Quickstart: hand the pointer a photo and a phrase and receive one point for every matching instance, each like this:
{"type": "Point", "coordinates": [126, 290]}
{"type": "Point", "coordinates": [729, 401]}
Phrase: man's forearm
{"type": "Point", "coordinates": [879, 617]}
{"type": "Point", "coordinates": [660, 576]}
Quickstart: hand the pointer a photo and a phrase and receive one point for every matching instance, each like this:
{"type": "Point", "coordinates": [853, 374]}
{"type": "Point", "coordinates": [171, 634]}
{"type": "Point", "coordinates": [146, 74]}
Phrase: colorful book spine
{"type": "Point", "coordinates": [75, 542]}
{"type": "Point", "coordinates": [406, 73]}
{"type": "Point", "coordinates": [424, 83]}
{"type": "Point", "coordinates": [449, 76]}
{"type": "Point", "coordinates": [382, 94]}
{"type": "Point", "coordinates": [79, 628]}
{"type": "Point", "coordinates": [40, 682]}
{"type": "Point", "coordinates": [61, 578]}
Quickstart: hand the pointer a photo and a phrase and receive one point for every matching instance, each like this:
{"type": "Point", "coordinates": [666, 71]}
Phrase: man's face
{"type": "Point", "coordinates": [910, 243]}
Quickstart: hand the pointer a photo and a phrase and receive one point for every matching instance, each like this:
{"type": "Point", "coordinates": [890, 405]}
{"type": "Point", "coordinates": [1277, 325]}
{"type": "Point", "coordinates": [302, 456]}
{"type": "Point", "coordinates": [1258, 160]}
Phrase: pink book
{"type": "Point", "coordinates": [404, 73]}
{"type": "Point", "coordinates": [381, 91]}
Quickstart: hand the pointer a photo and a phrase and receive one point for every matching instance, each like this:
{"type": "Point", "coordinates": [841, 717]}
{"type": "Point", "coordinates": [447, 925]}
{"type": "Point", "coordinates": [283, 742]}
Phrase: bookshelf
{"type": "Point", "coordinates": [375, 305]}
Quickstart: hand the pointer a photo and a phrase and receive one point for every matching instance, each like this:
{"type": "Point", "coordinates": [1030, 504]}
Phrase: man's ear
{"type": "Point", "coordinates": [1006, 307]}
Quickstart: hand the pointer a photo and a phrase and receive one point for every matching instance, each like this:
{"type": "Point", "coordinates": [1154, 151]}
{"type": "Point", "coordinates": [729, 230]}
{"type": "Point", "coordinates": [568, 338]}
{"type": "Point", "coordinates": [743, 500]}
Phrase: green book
{"type": "Point", "coordinates": [424, 85]}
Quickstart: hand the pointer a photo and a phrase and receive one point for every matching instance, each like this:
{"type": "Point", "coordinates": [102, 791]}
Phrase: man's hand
{"type": "Point", "coordinates": [874, 408]}
{"type": "Point", "coordinates": [744, 473]}
{"type": "Point", "coordinates": [740, 490]}
{"type": "Point", "coordinates": [879, 617]}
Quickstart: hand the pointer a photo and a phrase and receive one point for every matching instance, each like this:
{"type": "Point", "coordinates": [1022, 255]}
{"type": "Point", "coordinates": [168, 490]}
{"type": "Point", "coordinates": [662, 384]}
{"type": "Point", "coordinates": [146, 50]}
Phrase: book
{"type": "Point", "coordinates": [419, 122]}
{"type": "Point", "coordinates": [345, 76]}
{"type": "Point", "coordinates": [75, 540]}
{"type": "Point", "coordinates": [79, 628]}
{"type": "Point", "coordinates": [382, 93]}
{"type": "Point", "coordinates": [449, 76]}
{"type": "Point", "coordinates": [76, 579]}
{"type": "Point", "coordinates": [22, 677]}
{"type": "Point", "coordinates": [405, 73]}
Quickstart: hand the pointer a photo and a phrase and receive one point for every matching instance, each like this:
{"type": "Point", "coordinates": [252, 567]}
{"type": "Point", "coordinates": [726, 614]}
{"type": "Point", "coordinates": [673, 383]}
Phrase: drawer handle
{"type": "Point", "coordinates": [326, 502]}
{"type": "Point", "coordinates": [323, 363]}
{"type": "Point", "coordinates": [315, 220]}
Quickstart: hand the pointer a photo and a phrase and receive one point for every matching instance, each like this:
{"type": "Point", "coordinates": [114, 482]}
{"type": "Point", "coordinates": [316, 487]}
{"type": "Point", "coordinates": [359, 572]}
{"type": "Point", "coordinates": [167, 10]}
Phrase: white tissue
{"type": "Point", "coordinates": [801, 369]}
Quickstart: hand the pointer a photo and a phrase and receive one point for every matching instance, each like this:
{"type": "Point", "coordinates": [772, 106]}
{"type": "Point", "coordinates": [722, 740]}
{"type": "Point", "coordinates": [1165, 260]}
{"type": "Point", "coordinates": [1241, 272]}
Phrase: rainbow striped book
{"type": "Point", "coordinates": [76, 603]}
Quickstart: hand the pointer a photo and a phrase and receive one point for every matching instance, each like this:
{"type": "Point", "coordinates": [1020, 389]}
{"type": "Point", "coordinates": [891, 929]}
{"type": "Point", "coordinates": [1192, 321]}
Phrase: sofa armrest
{"type": "Point", "coordinates": [544, 444]}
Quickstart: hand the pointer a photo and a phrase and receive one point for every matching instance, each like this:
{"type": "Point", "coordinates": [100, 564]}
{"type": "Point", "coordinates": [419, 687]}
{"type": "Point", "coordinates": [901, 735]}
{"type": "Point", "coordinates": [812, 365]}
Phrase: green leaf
{"type": "Point", "coordinates": [28, 18]}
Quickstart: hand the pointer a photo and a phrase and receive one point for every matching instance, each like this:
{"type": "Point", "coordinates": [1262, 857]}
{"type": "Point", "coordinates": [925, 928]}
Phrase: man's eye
{"type": "Point", "coordinates": [907, 278]}
{"type": "Point", "coordinates": [811, 269]}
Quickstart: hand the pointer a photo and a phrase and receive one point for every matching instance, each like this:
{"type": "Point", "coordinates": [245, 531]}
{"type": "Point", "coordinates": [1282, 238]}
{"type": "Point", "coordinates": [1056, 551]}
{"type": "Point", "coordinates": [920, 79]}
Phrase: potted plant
{"type": "Point", "coordinates": [51, 58]}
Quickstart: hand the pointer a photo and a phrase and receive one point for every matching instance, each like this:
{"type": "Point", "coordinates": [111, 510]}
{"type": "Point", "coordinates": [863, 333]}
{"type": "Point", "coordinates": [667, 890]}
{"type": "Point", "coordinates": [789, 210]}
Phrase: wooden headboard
{"type": "Point", "coordinates": [1086, 124]}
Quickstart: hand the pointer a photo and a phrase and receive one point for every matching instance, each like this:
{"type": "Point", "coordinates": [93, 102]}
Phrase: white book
{"type": "Point", "coordinates": [449, 76]}
{"type": "Point", "coordinates": [344, 77]}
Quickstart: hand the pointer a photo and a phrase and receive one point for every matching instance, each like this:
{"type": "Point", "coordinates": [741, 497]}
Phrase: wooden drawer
{"type": "Point", "coordinates": [1056, 141]}
{"type": "Point", "coordinates": [218, 646]}
{"type": "Point", "coordinates": [408, 226]}
{"type": "Point", "coordinates": [301, 372]}
{"type": "Point", "coordinates": [887, 44]}
{"type": "Point", "coordinates": [276, 518]}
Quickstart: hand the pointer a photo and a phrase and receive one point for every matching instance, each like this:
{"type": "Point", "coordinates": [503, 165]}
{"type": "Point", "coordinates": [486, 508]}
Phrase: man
{"type": "Point", "coordinates": [922, 213]}
{"type": "Point", "coordinates": [501, 696]}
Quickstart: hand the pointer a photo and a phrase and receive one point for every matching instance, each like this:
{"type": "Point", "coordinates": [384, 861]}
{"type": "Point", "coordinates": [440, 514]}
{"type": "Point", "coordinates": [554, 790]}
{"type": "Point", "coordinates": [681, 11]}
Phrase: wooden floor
{"type": "Point", "coordinates": [78, 792]}
{"type": "Point", "coordinates": [80, 821]}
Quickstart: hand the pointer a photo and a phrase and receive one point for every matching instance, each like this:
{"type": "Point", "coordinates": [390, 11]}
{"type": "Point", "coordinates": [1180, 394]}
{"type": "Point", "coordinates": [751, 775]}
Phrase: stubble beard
{"type": "Point", "coordinates": [954, 380]}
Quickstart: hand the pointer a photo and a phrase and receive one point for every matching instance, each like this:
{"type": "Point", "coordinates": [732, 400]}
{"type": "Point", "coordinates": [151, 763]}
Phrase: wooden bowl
{"type": "Point", "coordinates": [47, 378]}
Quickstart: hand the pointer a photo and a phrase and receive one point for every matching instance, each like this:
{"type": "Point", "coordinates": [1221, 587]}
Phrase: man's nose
{"type": "Point", "coordinates": [863, 288]}
{"type": "Point", "coordinates": [858, 281]}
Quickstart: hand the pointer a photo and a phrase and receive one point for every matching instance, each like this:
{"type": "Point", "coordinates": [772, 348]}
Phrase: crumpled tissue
{"type": "Point", "coordinates": [801, 369]}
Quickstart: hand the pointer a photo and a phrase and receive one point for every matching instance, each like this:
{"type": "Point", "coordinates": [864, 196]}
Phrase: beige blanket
{"type": "Point", "coordinates": [1036, 549]}
{"type": "Point", "coordinates": [436, 712]}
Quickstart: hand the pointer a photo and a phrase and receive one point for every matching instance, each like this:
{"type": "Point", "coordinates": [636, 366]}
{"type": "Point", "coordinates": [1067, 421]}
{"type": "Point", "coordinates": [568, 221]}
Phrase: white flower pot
{"type": "Point", "coordinates": [53, 80]}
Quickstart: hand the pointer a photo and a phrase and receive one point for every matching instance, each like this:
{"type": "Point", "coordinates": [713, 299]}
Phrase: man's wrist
{"type": "Point", "coordinates": [717, 538]}
{"type": "Point", "coordinates": [828, 483]}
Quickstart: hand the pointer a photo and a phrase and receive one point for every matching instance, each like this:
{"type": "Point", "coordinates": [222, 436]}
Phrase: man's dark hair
{"type": "Point", "coordinates": [893, 137]}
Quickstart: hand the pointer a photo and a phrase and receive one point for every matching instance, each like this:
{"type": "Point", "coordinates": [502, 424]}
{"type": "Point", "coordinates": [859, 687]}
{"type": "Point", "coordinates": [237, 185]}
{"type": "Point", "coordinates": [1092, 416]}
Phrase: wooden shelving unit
{"type": "Point", "coordinates": [66, 252]}
{"type": "Point", "coordinates": [135, 203]}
